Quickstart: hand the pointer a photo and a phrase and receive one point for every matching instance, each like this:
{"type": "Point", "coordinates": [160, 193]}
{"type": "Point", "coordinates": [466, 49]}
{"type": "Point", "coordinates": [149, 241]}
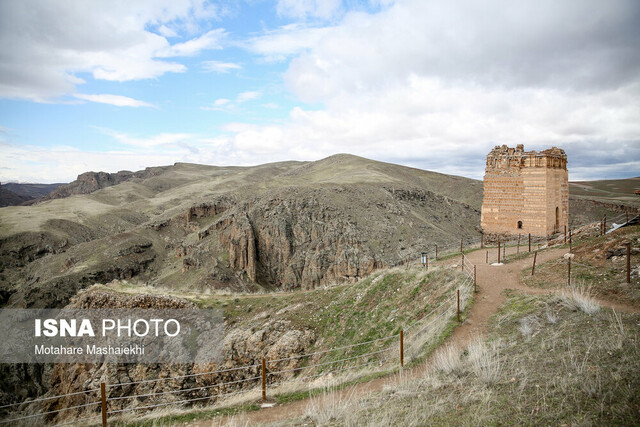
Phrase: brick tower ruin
{"type": "Point", "coordinates": [525, 192]}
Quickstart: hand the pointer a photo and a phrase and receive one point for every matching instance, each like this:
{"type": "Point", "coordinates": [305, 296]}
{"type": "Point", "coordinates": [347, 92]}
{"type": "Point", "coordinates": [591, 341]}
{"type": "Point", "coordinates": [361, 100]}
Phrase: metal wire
{"type": "Point", "coordinates": [331, 349]}
{"type": "Point", "coordinates": [327, 363]}
{"type": "Point", "coordinates": [49, 412]}
{"type": "Point", "coordinates": [40, 399]}
{"type": "Point", "coordinates": [76, 421]}
{"type": "Point", "coordinates": [183, 390]}
{"type": "Point", "coordinates": [174, 403]}
{"type": "Point", "coordinates": [183, 376]}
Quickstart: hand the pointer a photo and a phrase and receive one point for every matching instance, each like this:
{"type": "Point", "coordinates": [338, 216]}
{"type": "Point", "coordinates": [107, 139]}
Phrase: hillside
{"type": "Point", "coordinates": [32, 191]}
{"type": "Point", "coordinates": [277, 226]}
{"type": "Point", "coordinates": [9, 198]}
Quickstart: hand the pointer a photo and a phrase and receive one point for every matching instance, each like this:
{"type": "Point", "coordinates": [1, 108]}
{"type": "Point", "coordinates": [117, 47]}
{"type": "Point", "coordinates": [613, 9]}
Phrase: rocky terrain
{"type": "Point", "coordinates": [89, 182]}
{"type": "Point", "coordinates": [281, 226]}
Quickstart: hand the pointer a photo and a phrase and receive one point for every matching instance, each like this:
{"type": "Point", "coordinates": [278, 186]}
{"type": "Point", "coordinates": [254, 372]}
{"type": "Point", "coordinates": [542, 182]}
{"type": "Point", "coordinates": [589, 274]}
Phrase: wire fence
{"type": "Point", "coordinates": [391, 349]}
{"type": "Point", "coordinates": [449, 306]}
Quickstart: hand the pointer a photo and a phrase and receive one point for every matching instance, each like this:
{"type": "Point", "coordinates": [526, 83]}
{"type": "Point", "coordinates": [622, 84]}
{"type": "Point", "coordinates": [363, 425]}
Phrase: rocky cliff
{"type": "Point", "coordinates": [272, 339]}
{"type": "Point", "coordinates": [89, 182]}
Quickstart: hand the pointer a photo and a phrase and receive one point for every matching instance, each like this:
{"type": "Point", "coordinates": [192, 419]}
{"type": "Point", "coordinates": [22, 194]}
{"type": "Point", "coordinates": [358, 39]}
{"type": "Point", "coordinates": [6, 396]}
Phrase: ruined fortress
{"type": "Point", "coordinates": [525, 192]}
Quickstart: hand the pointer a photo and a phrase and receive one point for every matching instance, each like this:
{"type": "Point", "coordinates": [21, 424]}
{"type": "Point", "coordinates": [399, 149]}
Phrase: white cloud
{"type": "Point", "coordinates": [117, 100]}
{"type": "Point", "coordinates": [303, 9]}
{"type": "Point", "coordinates": [442, 82]}
{"type": "Point", "coordinates": [278, 45]}
{"type": "Point", "coordinates": [209, 40]}
{"type": "Point", "coordinates": [219, 67]}
{"type": "Point", "coordinates": [46, 45]}
{"type": "Point", "coordinates": [221, 101]}
{"type": "Point", "coordinates": [247, 96]}
{"type": "Point", "coordinates": [161, 140]}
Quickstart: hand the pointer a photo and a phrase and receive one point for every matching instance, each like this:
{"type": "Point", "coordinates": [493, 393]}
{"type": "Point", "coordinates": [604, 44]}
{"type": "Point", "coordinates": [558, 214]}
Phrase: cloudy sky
{"type": "Point", "coordinates": [111, 85]}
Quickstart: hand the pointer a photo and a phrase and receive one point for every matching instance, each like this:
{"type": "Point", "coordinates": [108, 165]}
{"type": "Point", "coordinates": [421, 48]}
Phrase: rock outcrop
{"type": "Point", "coordinates": [272, 339]}
{"type": "Point", "coordinates": [89, 182]}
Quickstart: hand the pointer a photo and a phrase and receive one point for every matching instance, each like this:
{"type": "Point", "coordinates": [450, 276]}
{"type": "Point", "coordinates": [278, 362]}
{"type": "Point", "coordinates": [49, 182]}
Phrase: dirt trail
{"type": "Point", "coordinates": [492, 280]}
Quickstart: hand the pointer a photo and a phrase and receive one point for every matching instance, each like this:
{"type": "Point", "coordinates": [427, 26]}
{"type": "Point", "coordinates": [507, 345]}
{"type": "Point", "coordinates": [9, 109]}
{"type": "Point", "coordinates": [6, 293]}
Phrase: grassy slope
{"type": "Point", "coordinates": [563, 367]}
{"type": "Point", "coordinates": [612, 191]}
{"type": "Point", "coordinates": [545, 361]}
{"type": "Point", "coordinates": [606, 277]}
{"type": "Point", "coordinates": [373, 308]}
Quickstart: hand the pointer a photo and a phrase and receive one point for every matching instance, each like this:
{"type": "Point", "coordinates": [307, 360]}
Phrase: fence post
{"type": "Point", "coordinates": [460, 245]}
{"type": "Point", "coordinates": [504, 251]}
{"type": "Point", "coordinates": [263, 374]}
{"type": "Point", "coordinates": [533, 269]}
{"type": "Point", "coordinates": [401, 348]}
{"type": "Point", "coordinates": [570, 248]}
{"type": "Point", "coordinates": [529, 242]}
{"type": "Point", "coordinates": [462, 262]}
{"type": "Point", "coordinates": [458, 305]}
{"type": "Point", "coordinates": [103, 399]}
{"type": "Point", "coordinates": [482, 240]}
{"type": "Point", "coordinates": [436, 252]}
{"type": "Point", "coordinates": [569, 272]}
{"type": "Point", "coordinates": [565, 234]}
{"type": "Point", "coordinates": [628, 262]}
{"type": "Point", "coordinates": [475, 288]}
{"type": "Point", "coordinates": [498, 251]}
{"type": "Point", "coordinates": [487, 258]}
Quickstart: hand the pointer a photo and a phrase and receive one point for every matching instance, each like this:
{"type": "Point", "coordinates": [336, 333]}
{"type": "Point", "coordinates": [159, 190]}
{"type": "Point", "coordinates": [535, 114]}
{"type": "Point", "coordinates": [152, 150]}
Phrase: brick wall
{"type": "Point", "coordinates": [523, 189]}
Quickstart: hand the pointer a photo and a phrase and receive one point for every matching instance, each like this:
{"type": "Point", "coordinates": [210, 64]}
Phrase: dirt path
{"type": "Point", "coordinates": [493, 280]}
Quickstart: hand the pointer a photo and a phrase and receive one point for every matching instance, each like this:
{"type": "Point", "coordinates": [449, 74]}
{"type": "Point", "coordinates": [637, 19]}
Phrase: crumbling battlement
{"type": "Point", "coordinates": [525, 192]}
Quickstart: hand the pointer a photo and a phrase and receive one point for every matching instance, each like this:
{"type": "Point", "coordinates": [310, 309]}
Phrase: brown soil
{"type": "Point", "coordinates": [492, 281]}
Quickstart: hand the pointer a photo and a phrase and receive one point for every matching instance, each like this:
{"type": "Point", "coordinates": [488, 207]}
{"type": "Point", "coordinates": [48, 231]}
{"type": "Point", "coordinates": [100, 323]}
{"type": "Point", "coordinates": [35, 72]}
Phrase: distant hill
{"type": "Point", "coordinates": [33, 191]}
{"type": "Point", "coordinates": [13, 194]}
{"type": "Point", "coordinates": [9, 198]}
{"type": "Point", "coordinates": [611, 190]}
{"type": "Point", "coordinates": [276, 226]}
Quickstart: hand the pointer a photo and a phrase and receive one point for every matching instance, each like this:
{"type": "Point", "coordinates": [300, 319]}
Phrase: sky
{"type": "Point", "coordinates": [122, 85]}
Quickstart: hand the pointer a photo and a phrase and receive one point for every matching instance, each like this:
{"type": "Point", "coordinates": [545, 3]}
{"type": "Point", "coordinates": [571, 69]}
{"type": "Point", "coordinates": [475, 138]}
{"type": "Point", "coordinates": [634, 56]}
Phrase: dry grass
{"type": "Point", "coordinates": [580, 297]}
{"type": "Point", "coordinates": [573, 368]}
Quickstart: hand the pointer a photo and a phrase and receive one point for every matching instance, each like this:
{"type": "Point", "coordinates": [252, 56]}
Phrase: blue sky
{"type": "Point", "coordinates": [112, 85]}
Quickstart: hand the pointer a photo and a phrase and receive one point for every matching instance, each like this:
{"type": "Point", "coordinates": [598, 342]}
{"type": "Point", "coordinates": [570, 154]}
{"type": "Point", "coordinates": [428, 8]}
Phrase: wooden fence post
{"type": "Point", "coordinates": [570, 246]}
{"type": "Point", "coordinates": [436, 252]}
{"type": "Point", "coordinates": [462, 262]}
{"type": "Point", "coordinates": [628, 262]}
{"type": "Point", "coordinates": [263, 374]}
{"type": "Point", "coordinates": [529, 242]}
{"type": "Point", "coordinates": [103, 399]}
{"type": "Point", "coordinates": [401, 348]}
{"type": "Point", "coordinates": [504, 251]}
{"type": "Point", "coordinates": [498, 251]}
{"type": "Point", "coordinates": [565, 234]}
{"type": "Point", "coordinates": [475, 286]}
{"type": "Point", "coordinates": [458, 305]}
{"type": "Point", "coordinates": [533, 269]}
{"type": "Point", "coordinates": [460, 245]}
